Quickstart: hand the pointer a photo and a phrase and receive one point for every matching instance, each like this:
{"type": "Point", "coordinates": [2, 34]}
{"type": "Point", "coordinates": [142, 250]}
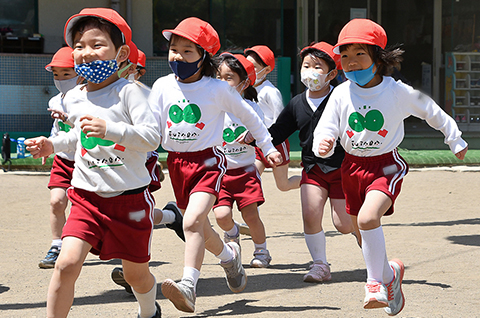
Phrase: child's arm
{"type": "Point", "coordinates": [39, 147]}
{"type": "Point", "coordinates": [327, 130]}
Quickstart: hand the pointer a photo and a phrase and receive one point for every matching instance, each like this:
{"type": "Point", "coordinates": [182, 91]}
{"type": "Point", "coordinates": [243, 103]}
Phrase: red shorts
{"type": "Point", "coordinates": [283, 148]}
{"type": "Point", "coordinates": [154, 171]}
{"type": "Point", "coordinates": [199, 171]}
{"type": "Point", "coordinates": [331, 181]}
{"type": "Point", "coordinates": [61, 173]}
{"type": "Point", "coordinates": [362, 174]}
{"type": "Point", "coordinates": [117, 227]}
{"type": "Point", "coordinates": [242, 185]}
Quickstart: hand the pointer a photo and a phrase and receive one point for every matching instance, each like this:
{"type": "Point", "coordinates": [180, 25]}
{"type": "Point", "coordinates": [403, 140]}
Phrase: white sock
{"type": "Point", "coordinates": [226, 255]}
{"type": "Point", "coordinates": [57, 243]}
{"type": "Point", "coordinates": [146, 302]}
{"type": "Point", "coordinates": [375, 256]}
{"type": "Point", "coordinates": [262, 246]}
{"type": "Point", "coordinates": [233, 231]}
{"type": "Point", "coordinates": [317, 246]}
{"type": "Point", "coordinates": [191, 274]}
{"type": "Point", "coordinates": [168, 217]}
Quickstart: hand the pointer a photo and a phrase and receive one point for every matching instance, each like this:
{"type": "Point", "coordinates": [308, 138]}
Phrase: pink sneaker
{"type": "Point", "coordinates": [396, 300]}
{"type": "Point", "coordinates": [376, 295]}
{"type": "Point", "coordinates": [319, 272]}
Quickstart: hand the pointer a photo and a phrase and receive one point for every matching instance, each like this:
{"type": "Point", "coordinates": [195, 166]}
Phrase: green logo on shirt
{"type": "Point", "coordinates": [190, 114]}
{"type": "Point", "coordinates": [372, 121]}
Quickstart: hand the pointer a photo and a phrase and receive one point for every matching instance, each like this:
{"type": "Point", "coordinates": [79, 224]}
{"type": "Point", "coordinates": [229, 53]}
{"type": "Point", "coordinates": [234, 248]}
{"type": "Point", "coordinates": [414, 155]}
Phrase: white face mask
{"type": "Point", "coordinates": [312, 80]}
{"type": "Point", "coordinates": [260, 79]}
{"type": "Point", "coordinates": [131, 77]}
{"type": "Point", "coordinates": [242, 88]}
{"type": "Point", "coordinates": [66, 85]}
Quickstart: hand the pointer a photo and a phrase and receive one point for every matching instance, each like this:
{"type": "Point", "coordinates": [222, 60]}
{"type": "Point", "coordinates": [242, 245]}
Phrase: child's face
{"type": "Point", "coordinates": [63, 73]}
{"type": "Point", "coordinates": [183, 50]}
{"type": "Point", "coordinates": [226, 74]}
{"type": "Point", "coordinates": [93, 44]}
{"type": "Point", "coordinates": [356, 58]}
{"type": "Point", "coordinates": [315, 63]}
{"type": "Point", "coordinates": [259, 68]}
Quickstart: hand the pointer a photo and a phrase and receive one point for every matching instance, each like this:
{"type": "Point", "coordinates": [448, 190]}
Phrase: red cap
{"type": "Point", "coordinates": [105, 13]}
{"type": "Point", "coordinates": [133, 56]}
{"type": "Point", "coordinates": [327, 49]}
{"type": "Point", "coordinates": [142, 58]}
{"type": "Point", "coordinates": [247, 66]}
{"type": "Point", "coordinates": [265, 54]}
{"type": "Point", "coordinates": [62, 58]}
{"type": "Point", "coordinates": [197, 31]}
{"type": "Point", "coordinates": [362, 31]}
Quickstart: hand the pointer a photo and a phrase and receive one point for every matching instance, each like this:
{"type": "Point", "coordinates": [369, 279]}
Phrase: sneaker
{"type": "Point", "coordinates": [396, 300]}
{"type": "Point", "coordinates": [158, 312]}
{"type": "Point", "coordinates": [261, 259]}
{"type": "Point", "coordinates": [181, 294]}
{"type": "Point", "coordinates": [244, 229]}
{"type": "Point", "coordinates": [177, 225]}
{"type": "Point", "coordinates": [376, 295]}
{"type": "Point", "coordinates": [50, 258]}
{"type": "Point", "coordinates": [236, 276]}
{"type": "Point", "coordinates": [236, 238]}
{"type": "Point", "coordinates": [117, 277]}
{"type": "Point", "coordinates": [319, 272]}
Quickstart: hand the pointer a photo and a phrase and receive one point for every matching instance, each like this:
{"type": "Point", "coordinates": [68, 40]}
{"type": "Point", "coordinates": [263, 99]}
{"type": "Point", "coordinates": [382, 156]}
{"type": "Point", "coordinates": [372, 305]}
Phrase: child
{"type": "Point", "coordinates": [271, 104]}
{"type": "Point", "coordinates": [320, 177]}
{"type": "Point", "coordinates": [241, 182]}
{"type": "Point", "coordinates": [193, 106]}
{"type": "Point", "coordinates": [112, 210]}
{"type": "Point", "coordinates": [367, 114]}
{"type": "Point", "coordinates": [65, 78]}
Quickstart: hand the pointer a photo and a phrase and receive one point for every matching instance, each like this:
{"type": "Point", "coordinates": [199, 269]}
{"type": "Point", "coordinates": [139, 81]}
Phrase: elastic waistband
{"type": "Point", "coordinates": [192, 153]}
{"type": "Point", "coordinates": [135, 191]}
{"type": "Point", "coordinates": [383, 157]}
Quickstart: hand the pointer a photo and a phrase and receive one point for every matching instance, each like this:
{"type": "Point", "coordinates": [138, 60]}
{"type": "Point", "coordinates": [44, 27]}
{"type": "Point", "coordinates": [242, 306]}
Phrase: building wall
{"type": "Point", "coordinates": [52, 15]}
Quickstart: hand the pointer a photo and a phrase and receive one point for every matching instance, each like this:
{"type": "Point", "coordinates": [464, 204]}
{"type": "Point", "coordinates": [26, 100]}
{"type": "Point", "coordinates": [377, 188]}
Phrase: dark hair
{"type": "Point", "coordinates": [324, 56]}
{"type": "Point", "coordinates": [387, 60]}
{"type": "Point", "coordinates": [208, 68]}
{"type": "Point", "coordinates": [250, 92]}
{"type": "Point", "coordinates": [99, 23]}
{"type": "Point", "coordinates": [256, 57]}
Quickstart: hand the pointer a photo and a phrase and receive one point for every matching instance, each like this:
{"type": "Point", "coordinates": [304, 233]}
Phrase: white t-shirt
{"type": "Point", "coordinates": [238, 155]}
{"type": "Point", "coordinates": [315, 102]}
{"type": "Point", "coordinates": [369, 121]}
{"type": "Point", "coordinates": [193, 114]}
{"type": "Point", "coordinates": [59, 127]}
{"type": "Point", "coordinates": [270, 102]}
{"type": "Point", "coordinates": [115, 163]}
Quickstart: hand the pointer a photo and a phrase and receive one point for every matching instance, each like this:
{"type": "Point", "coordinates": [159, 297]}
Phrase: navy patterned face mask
{"type": "Point", "coordinates": [97, 71]}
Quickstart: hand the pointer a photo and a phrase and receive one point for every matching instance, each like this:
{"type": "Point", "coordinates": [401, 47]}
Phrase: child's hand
{"type": "Point", "coordinates": [93, 126]}
{"type": "Point", "coordinates": [39, 147]}
{"type": "Point", "coordinates": [325, 146]}
{"type": "Point", "coordinates": [245, 138]}
{"type": "Point", "coordinates": [58, 114]}
{"type": "Point", "coordinates": [461, 155]}
{"type": "Point", "coordinates": [274, 159]}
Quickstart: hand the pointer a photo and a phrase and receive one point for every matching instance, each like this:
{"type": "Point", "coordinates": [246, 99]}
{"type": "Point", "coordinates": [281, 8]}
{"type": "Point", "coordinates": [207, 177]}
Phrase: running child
{"type": "Point", "coordinates": [366, 113]}
{"type": "Point", "coordinates": [193, 105]}
{"type": "Point", "coordinates": [241, 182]}
{"type": "Point", "coordinates": [65, 79]}
{"type": "Point", "coordinates": [112, 209]}
{"type": "Point", "coordinates": [321, 178]}
{"type": "Point", "coordinates": [271, 103]}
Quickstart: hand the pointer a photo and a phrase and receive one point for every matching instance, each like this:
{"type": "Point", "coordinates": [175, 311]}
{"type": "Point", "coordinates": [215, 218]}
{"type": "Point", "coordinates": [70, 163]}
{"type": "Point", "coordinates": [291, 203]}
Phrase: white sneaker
{"type": "Point", "coordinates": [396, 300]}
{"type": "Point", "coordinates": [236, 276]}
{"type": "Point", "coordinates": [261, 259]}
{"type": "Point", "coordinates": [376, 295]}
{"type": "Point", "coordinates": [319, 272]}
{"type": "Point", "coordinates": [181, 294]}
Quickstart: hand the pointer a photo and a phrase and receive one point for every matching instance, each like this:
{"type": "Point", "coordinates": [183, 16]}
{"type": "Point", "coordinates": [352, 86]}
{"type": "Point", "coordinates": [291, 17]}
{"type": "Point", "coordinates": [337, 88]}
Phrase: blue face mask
{"type": "Point", "coordinates": [361, 77]}
{"type": "Point", "coordinates": [97, 71]}
{"type": "Point", "coordinates": [184, 69]}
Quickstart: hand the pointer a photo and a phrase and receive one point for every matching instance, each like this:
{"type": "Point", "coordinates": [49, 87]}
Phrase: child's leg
{"type": "Point", "coordinates": [313, 200]}
{"type": "Point", "coordinates": [58, 204]}
{"type": "Point", "coordinates": [283, 182]}
{"type": "Point", "coordinates": [341, 220]}
{"type": "Point", "coordinates": [144, 286]}
{"type": "Point", "coordinates": [261, 255]}
{"type": "Point", "coordinates": [223, 216]}
{"type": "Point", "coordinates": [260, 166]}
{"type": "Point", "coordinates": [67, 268]}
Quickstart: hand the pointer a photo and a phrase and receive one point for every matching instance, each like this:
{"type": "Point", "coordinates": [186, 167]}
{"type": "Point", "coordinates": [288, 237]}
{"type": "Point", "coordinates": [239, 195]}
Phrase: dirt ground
{"type": "Point", "coordinates": [435, 231]}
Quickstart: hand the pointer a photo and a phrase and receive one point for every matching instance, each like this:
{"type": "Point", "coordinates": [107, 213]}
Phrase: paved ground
{"type": "Point", "coordinates": [435, 231]}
